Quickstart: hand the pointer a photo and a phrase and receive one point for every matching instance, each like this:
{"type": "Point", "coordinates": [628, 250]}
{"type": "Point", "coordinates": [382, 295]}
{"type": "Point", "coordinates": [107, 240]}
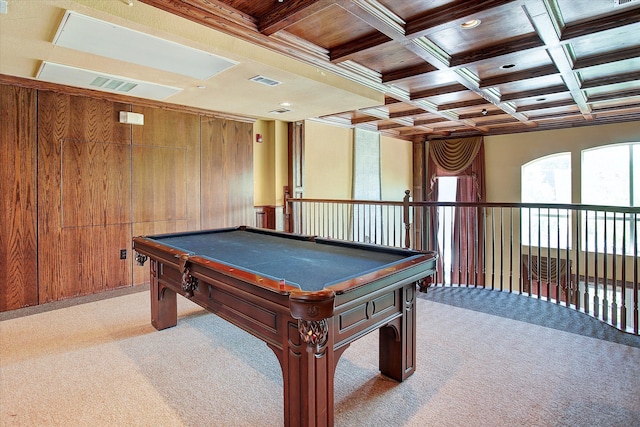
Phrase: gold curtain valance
{"type": "Point", "coordinates": [454, 155]}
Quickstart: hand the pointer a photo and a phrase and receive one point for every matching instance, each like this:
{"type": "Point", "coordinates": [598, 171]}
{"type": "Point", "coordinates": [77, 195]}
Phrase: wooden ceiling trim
{"type": "Point", "coordinates": [408, 72]}
{"type": "Point", "coordinates": [442, 16]}
{"type": "Point", "coordinates": [377, 16]}
{"type": "Point", "coordinates": [544, 71]}
{"type": "Point", "coordinates": [498, 120]}
{"type": "Point", "coordinates": [389, 126]}
{"type": "Point", "coordinates": [349, 50]}
{"type": "Point", "coordinates": [608, 80]}
{"type": "Point", "coordinates": [616, 109]}
{"type": "Point", "coordinates": [526, 42]}
{"type": "Point", "coordinates": [601, 59]}
{"type": "Point", "coordinates": [546, 105]}
{"type": "Point", "coordinates": [364, 119]}
{"type": "Point", "coordinates": [614, 96]}
{"type": "Point", "coordinates": [423, 122]}
{"type": "Point", "coordinates": [548, 90]}
{"type": "Point", "coordinates": [545, 116]}
{"type": "Point", "coordinates": [462, 104]}
{"type": "Point", "coordinates": [486, 113]}
{"type": "Point", "coordinates": [407, 113]}
{"type": "Point", "coordinates": [210, 13]}
{"type": "Point", "coordinates": [289, 12]}
{"type": "Point", "coordinates": [602, 23]}
{"type": "Point", "coordinates": [303, 45]}
{"type": "Point", "coordinates": [440, 90]}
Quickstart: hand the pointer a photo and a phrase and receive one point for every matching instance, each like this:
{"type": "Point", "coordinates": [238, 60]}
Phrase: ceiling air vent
{"type": "Point", "coordinates": [113, 84]}
{"type": "Point", "coordinates": [265, 81]}
{"type": "Point", "coordinates": [623, 2]}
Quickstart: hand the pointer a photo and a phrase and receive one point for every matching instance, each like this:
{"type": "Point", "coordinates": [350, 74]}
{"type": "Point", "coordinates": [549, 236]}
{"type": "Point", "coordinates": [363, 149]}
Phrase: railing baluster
{"type": "Point", "coordinates": [583, 275]}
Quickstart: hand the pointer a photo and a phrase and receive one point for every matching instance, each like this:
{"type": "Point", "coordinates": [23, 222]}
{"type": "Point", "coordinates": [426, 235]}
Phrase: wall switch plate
{"type": "Point", "coordinates": [123, 254]}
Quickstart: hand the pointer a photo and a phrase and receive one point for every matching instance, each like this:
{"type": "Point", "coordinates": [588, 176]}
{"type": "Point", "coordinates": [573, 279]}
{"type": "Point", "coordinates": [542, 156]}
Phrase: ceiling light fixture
{"type": "Point", "coordinates": [472, 23]}
{"type": "Point", "coordinates": [285, 104]}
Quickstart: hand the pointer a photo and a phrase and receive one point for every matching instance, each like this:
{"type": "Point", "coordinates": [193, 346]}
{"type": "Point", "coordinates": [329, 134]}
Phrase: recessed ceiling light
{"type": "Point", "coordinates": [473, 23]}
{"type": "Point", "coordinates": [541, 99]}
{"type": "Point", "coordinates": [201, 87]}
{"type": "Point", "coordinates": [507, 66]}
{"type": "Point", "coordinates": [285, 104]}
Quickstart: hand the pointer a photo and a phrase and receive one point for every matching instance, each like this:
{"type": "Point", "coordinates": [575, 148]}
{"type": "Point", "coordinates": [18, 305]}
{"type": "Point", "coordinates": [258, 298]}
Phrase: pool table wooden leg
{"type": "Point", "coordinates": [164, 306]}
{"type": "Point", "coordinates": [308, 373]}
{"type": "Point", "coordinates": [397, 340]}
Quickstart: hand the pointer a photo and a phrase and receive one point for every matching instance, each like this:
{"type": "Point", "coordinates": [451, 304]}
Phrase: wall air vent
{"type": "Point", "coordinates": [279, 111]}
{"type": "Point", "coordinates": [265, 81]}
{"type": "Point", "coordinates": [79, 77]}
{"type": "Point", "coordinates": [623, 2]}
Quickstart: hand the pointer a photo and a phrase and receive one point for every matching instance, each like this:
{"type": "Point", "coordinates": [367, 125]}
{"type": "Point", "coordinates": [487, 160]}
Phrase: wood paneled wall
{"type": "Point", "coordinates": [18, 256]}
{"type": "Point", "coordinates": [100, 182]}
{"type": "Point", "coordinates": [224, 148]}
{"type": "Point", "coordinates": [83, 196]}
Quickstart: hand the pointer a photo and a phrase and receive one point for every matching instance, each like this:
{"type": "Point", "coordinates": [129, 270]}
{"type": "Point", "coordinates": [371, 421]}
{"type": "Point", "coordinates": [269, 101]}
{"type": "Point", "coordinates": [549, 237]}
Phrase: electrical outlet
{"type": "Point", "coordinates": [123, 254]}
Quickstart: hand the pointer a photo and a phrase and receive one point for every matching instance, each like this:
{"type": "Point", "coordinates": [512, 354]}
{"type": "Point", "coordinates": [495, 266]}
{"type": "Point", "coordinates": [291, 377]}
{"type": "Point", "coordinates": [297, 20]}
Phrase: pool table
{"type": "Point", "coordinates": [306, 297]}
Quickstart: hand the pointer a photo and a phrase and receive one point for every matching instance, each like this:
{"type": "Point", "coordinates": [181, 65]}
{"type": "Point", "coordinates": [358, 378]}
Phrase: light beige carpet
{"type": "Point", "coordinates": [103, 364]}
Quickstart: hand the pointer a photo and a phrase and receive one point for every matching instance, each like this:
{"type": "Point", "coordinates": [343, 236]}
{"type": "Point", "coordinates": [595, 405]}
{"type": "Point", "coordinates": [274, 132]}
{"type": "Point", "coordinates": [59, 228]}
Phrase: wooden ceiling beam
{"type": "Point", "coordinates": [602, 23]}
{"type": "Point", "coordinates": [462, 104]}
{"type": "Point", "coordinates": [546, 70]}
{"type": "Point", "coordinates": [289, 12]}
{"type": "Point", "coordinates": [526, 42]}
{"type": "Point", "coordinates": [600, 59]}
{"type": "Point", "coordinates": [347, 50]}
{"type": "Point", "coordinates": [543, 91]}
{"type": "Point", "coordinates": [440, 90]}
{"type": "Point", "coordinates": [408, 72]}
{"type": "Point", "coordinates": [407, 113]}
{"type": "Point", "coordinates": [476, 115]}
{"type": "Point", "coordinates": [444, 15]}
{"type": "Point", "coordinates": [546, 105]}
{"type": "Point", "coordinates": [424, 122]}
{"type": "Point", "coordinates": [609, 80]}
{"type": "Point", "coordinates": [211, 13]}
{"type": "Point", "coordinates": [614, 96]}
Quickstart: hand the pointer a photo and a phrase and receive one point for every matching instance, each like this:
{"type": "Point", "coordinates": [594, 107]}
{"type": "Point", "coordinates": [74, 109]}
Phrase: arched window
{"type": "Point", "coordinates": [546, 180]}
{"type": "Point", "coordinates": [610, 178]}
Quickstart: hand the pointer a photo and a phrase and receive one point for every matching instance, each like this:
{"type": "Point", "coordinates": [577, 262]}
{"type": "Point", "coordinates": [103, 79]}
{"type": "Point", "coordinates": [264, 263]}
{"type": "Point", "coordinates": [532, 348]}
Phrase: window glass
{"type": "Point", "coordinates": [605, 176]}
{"type": "Point", "coordinates": [546, 180]}
{"type": "Point", "coordinates": [609, 178]}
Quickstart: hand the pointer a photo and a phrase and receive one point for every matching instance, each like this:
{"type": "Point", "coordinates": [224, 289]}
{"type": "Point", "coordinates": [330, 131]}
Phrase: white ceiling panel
{"type": "Point", "coordinates": [78, 77]}
{"type": "Point", "coordinates": [102, 38]}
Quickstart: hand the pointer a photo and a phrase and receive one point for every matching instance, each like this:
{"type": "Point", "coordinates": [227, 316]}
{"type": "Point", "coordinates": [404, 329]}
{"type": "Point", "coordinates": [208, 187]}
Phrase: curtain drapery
{"type": "Point", "coordinates": [463, 159]}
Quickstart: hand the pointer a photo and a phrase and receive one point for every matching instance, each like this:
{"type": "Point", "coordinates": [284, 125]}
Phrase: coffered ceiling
{"type": "Point", "coordinates": [521, 65]}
